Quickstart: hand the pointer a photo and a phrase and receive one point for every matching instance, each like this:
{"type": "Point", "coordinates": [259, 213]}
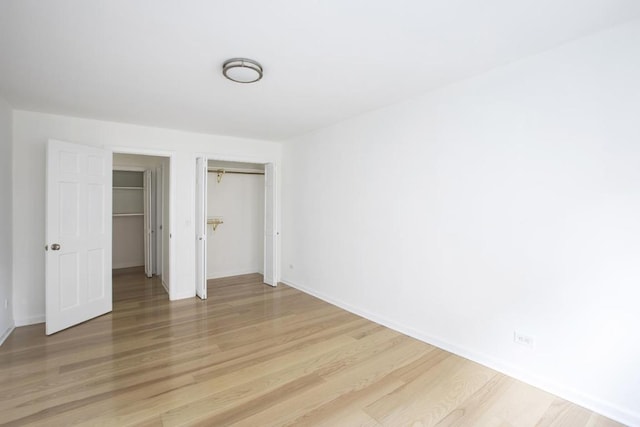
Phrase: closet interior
{"type": "Point", "coordinates": [128, 219]}
{"type": "Point", "coordinates": [235, 218]}
{"type": "Point", "coordinates": [140, 207]}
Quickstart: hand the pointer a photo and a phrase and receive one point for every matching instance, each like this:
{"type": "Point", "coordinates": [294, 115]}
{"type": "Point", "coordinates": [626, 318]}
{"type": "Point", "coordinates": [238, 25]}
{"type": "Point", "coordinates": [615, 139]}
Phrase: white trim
{"type": "Point", "coordinates": [129, 168]}
{"type": "Point", "coordinates": [222, 274]}
{"type": "Point", "coordinates": [117, 266]}
{"type": "Point", "coordinates": [32, 320]}
{"type": "Point", "coordinates": [592, 403]}
{"type": "Point", "coordinates": [183, 295]}
{"type": "Point", "coordinates": [141, 151]}
{"type": "Point", "coordinates": [172, 216]}
{"type": "Point", "coordinates": [276, 203]}
{"type": "Point", "coordinates": [6, 333]}
{"type": "Point", "coordinates": [200, 198]}
{"type": "Point", "coordinates": [239, 159]}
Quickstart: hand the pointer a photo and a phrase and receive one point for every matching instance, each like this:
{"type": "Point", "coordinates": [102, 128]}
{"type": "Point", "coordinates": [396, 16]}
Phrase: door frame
{"type": "Point", "coordinates": [148, 208]}
{"type": "Point", "coordinates": [171, 288]}
{"type": "Point", "coordinates": [275, 200]}
{"type": "Point", "coordinates": [159, 199]}
{"type": "Point", "coordinates": [201, 227]}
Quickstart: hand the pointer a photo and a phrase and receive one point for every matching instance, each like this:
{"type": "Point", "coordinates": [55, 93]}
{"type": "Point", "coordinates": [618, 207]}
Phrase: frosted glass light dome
{"type": "Point", "coordinates": [242, 70]}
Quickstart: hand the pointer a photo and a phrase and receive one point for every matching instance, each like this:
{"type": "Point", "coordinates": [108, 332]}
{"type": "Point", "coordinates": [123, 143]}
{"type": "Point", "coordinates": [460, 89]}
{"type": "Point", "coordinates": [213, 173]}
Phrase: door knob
{"type": "Point", "coordinates": [55, 247]}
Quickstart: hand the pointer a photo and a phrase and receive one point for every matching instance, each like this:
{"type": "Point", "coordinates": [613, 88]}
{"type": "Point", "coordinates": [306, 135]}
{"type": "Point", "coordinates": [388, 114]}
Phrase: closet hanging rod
{"type": "Point", "coordinates": [227, 171]}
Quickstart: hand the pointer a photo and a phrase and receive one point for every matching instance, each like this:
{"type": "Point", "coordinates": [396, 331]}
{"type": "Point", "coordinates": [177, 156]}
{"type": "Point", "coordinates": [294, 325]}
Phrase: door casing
{"type": "Point", "coordinates": [274, 203]}
{"type": "Point", "coordinates": [170, 286]}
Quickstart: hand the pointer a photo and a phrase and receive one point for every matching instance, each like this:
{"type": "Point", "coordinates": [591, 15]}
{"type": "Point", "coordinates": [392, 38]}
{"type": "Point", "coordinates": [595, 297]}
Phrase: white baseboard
{"type": "Point", "coordinates": [218, 275]}
{"type": "Point", "coordinates": [33, 320]}
{"type": "Point", "coordinates": [6, 333]}
{"type": "Point", "coordinates": [183, 295]}
{"type": "Point", "coordinates": [608, 409]}
{"type": "Point", "coordinates": [116, 266]}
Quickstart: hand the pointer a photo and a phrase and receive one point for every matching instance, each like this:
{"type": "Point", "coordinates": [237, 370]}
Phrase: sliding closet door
{"type": "Point", "coordinates": [270, 226]}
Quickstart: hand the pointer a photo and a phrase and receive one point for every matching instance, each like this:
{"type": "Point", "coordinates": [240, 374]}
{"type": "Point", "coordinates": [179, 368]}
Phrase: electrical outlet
{"type": "Point", "coordinates": [523, 339]}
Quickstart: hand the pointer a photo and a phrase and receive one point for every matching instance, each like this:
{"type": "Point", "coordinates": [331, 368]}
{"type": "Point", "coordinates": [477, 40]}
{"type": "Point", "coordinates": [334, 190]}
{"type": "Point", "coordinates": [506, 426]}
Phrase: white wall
{"type": "Point", "coordinates": [237, 246]}
{"type": "Point", "coordinates": [510, 201]}
{"type": "Point", "coordinates": [127, 231]}
{"type": "Point", "coordinates": [6, 242]}
{"type": "Point", "coordinates": [32, 130]}
{"type": "Point", "coordinates": [128, 241]}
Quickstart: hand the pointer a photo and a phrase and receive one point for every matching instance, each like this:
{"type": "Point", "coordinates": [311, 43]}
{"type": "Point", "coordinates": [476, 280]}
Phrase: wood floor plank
{"type": "Point", "coordinates": [563, 413]}
{"type": "Point", "coordinates": [229, 389]}
{"type": "Point", "coordinates": [431, 396]}
{"type": "Point", "coordinates": [503, 400]}
{"type": "Point", "coordinates": [218, 394]}
{"type": "Point", "coordinates": [368, 373]}
{"type": "Point", "coordinates": [252, 355]}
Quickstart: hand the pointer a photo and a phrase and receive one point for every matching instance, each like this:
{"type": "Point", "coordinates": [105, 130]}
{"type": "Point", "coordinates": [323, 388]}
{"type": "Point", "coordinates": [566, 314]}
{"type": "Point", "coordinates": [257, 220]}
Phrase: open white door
{"type": "Point", "coordinates": [148, 226]}
{"type": "Point", "coordinates": [270, 226]}
{"type": "Point", "coordinates": [201, 227]}
{"type": "Point", "coordinates": [157, 229]}
{"type": "Point", "coordinates": [78, 234]}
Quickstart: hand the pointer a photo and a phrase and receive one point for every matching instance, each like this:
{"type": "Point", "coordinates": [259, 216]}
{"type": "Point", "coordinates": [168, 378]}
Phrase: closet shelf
{"type": "Point", "coordinates": [128, 188]}
{"type": "Point", "coordinates": [128, 214]}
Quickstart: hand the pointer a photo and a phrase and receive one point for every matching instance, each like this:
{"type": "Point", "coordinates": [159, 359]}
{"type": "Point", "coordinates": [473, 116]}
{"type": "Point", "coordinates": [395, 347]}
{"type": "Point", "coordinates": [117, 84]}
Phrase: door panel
{"type": "Point", "coordinates": [148, 235]}
{"type": "Point", "coordinates": [270, 228]}
{"type": "Point", "coordinates": [201, 227]}
{"type": "Point", "coordinates": [95, 276]}
{"type": "Point", "coordinates": [158, 228]}
{"type": "Point", "coordinates": [96, 216]}
{"type": "Point", "coordinates": [69, 273]}
{"type": "Point", "coordinates": [78, 234]}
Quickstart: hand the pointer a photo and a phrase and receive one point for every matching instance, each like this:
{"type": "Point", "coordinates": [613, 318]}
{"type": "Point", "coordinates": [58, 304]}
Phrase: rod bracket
{"type": "Point", "coordinates": [214, 222]}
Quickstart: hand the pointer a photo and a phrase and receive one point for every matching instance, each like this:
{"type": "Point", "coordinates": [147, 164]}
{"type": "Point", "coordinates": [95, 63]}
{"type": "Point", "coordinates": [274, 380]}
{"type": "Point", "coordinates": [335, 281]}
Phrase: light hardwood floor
{"type": "Point", "coordinates": [252, 355]}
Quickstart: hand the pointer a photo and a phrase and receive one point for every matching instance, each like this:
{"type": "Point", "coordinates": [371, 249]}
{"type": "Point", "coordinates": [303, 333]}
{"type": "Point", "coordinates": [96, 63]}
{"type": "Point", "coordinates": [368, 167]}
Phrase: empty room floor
{"type": "Point", "coordinates": [252, 355]}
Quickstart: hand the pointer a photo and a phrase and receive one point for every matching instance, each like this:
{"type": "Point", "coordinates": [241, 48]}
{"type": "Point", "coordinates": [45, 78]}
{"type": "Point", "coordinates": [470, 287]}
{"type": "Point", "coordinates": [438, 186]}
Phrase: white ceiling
{"type": "Point", "coordinates": [158, 62]}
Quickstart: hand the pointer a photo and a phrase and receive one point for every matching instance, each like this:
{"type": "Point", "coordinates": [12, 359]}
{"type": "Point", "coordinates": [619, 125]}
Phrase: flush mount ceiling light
{"type": "Point", "coordinates": [242, 70]}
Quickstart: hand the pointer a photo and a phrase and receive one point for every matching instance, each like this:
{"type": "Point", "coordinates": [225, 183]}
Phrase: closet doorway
{"type": "Point", "coordinates": [235, 221]}
{"type": "Point", "coordinates": [140, 236]}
